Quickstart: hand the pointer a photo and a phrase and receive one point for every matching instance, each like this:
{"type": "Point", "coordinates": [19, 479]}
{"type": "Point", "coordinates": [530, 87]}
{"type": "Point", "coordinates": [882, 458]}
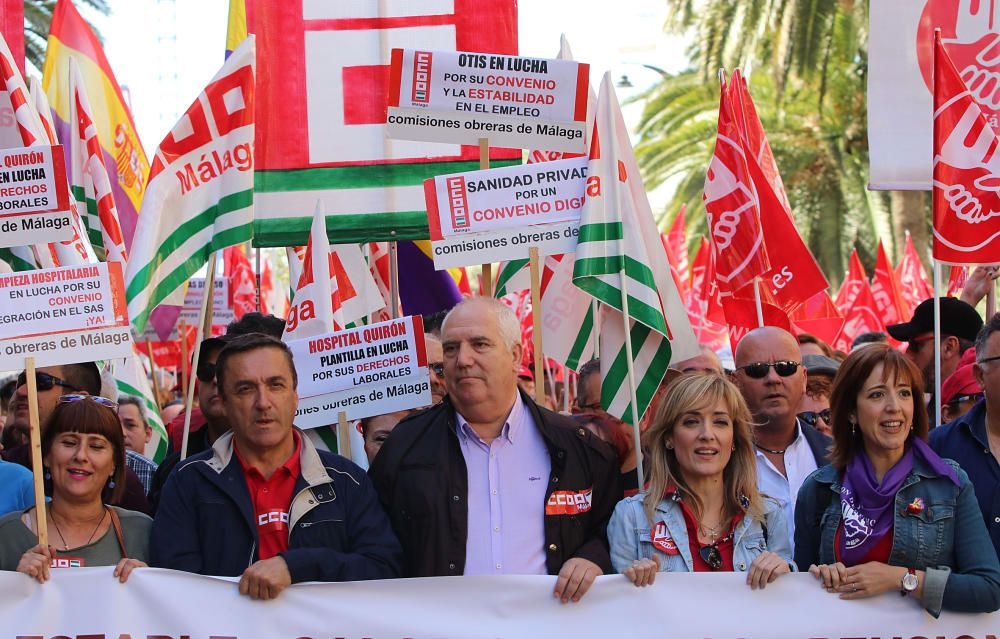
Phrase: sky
{"type": "Point", "coordinates": [165, 51]}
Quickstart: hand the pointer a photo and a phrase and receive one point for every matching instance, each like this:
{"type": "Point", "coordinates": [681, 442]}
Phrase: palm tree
{"type": "Point", "coordinates": [38, 18]}
{"type": "Point", "coordinates": [807, 66]}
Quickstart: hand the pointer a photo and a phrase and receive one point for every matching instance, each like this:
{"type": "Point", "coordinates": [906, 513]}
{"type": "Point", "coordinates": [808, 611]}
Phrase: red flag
{"type": "Point", "coordinates": [956, 280]}
{"type": "Point", "coordinates": [242, 289]}
{"type": "Point", "coordinates": [675, 268]}
{"type": "Point", "coordinates": [705, 303]}
{"type": "Point", "coordinates": [912, 278]}
{"type": "Point", "coordinates": [966, 193]}
{"type": "Point", "coordinates": [818, 316]}
{"type": "Point", "coordinates": [731, 204]}
{"type": "Point", "coordinates": [862, 317]}
{"type": "Point", "coordinates": [741, 316]}
{"type": "Point", "coordinates": [794, 276]}
{"type": "Point", "coordinates": [677, 238]}
{"type": "Point", "coordinates": [889, 301]}
{"type": "Point", "coordinates": [851, 285]}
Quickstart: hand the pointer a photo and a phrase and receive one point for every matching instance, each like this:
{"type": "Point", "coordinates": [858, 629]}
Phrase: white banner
{"type": "Point", "coordinates": [506, 244]}
{"type": "Point", "coordinates": [365, 401]}
{"type": "Point", "coordinates": [900, 105]}
{"type": "Point", "coordinates": [460, 97]}
{"type": "Point", "coordinates": [34, 196]}
{"type": "Point", "coordinates": [89, 602]}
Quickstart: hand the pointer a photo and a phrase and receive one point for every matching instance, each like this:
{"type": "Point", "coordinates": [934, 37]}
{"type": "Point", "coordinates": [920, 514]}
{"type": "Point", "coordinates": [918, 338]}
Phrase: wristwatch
{"type": "Point", "coordinates": [909, 583]}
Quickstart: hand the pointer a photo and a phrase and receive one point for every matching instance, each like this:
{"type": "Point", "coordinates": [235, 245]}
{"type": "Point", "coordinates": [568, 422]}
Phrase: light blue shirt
{"type": "Point", "coordinates": [507, 483]}
{"type": "Point", "coordinates": [17, 489]}
{"type": "Point", "coordinates": [799, 463]}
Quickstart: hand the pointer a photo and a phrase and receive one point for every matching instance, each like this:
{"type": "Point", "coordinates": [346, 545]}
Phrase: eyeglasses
{"type": "Point", "coordinates": [759, 370]}
{"type": "Point", "coordinates": [206, 372]}
{"type": "Point", "coordinates": [437, 368]}
{"type": "Point", "coordinates": [974, 397]}
{"type": "Point", "coordinates": [44, 381]}
{"type": "Point", "coordinates": [592, 407]}
{"type": "Point", "coordinates": [810, 417]}
{"type": "Point", "coordinates": [988, 359]}
{"type": "Point", "coordinates": [103, 401]}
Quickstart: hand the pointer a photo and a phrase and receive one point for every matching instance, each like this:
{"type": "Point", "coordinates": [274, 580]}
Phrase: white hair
{"type": "Point", "coordinates": [507, 323]}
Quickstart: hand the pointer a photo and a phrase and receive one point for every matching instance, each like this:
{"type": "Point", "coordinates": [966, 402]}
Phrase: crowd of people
{"type": "Point", "coordinates": [799, 458]}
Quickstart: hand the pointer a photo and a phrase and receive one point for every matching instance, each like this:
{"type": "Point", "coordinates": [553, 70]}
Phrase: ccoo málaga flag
{"type": "Point", "coordinates": [618, 236]}
{"type": "Point", "coordinates": [200, 193]}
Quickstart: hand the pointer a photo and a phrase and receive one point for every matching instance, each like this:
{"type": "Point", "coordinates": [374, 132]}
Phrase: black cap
{"type": "Point", "coordinates": [215, 343]}
{"type": "Point", "coordinates": [957, 318]}
{"type": "Point", "coordinates": [820, 365]}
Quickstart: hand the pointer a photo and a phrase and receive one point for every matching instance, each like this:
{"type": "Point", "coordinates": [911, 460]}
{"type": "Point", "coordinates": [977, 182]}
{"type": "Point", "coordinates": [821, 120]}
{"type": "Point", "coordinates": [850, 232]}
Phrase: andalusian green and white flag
{"type": "Point", "coordinates": [131, 379]}
{"type": "Point", "coordinates": [618, 234]}
{"type": "Point", "coordinates": [200, 193]}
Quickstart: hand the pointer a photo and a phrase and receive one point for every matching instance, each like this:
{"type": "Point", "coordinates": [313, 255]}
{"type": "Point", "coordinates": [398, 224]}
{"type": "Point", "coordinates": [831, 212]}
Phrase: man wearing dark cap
{"type": "Point", "coordinates": [959, 325]}
{"type": "Point", "coordinates": [814, 407]}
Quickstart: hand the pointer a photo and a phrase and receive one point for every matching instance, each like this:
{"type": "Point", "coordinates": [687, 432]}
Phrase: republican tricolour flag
{"type": "Point", "coordinates": [200, 194]}
{"type": "Point", "coordinates": [621, 262]}
{"type": "Point", "coordinates": [966, 194]}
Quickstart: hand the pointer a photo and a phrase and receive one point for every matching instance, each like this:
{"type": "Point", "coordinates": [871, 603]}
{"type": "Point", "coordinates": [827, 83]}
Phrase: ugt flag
{"type": "Point", "coordinates": [200, 193]}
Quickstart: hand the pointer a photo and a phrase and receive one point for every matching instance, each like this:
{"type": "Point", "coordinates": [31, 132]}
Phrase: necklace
{"type": "Point", "coordinates": [709, 531]}
{"type": "Point", "coordinates": [768, 450]}
{"type": "Point", "coordinates": [89, 539]}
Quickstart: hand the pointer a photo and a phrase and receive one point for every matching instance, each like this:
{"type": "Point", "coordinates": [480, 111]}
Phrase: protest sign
{"type": "Point", "coordinates": [362, 371]}
{"type": "Point", "coordinates": [89, 602]}
{"type": "Point", "coordinates": [34, 196]}
{"type": "Point", "coordinates": [222, 313]}
{"type": "Point", "coordinates": [63, 315]}
{"type": "Point", "coordinates": [498, 214]}
{"type": "Point", "coordinates": [461, 97]}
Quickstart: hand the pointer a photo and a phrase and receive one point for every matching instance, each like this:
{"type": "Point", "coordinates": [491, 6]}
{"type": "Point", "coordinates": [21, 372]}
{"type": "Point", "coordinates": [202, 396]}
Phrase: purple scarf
{"type": "Point", "coordinates": [867, 506]}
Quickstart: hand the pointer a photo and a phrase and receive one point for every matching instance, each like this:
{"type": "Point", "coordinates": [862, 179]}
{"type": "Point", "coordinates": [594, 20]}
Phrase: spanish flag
{"type": "Point", "coordinates": [236, 31]}
{"type": "Point", "coordinates": [71, 36]}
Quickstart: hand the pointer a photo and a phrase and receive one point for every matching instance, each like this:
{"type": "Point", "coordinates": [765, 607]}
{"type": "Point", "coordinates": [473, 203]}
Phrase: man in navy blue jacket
{"type": "Point", "coordinates": [263, 504]}
{"type": "Point", "coordinates": [973, 440]}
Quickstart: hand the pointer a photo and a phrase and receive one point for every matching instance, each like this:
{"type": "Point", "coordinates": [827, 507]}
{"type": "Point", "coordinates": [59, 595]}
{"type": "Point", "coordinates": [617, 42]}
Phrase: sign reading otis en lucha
{"type": "Point", "coordinates": [63, 315]}
{"type": "Point", "coordinates": [460, 97]}
{"type": "Point", "coordinates": [364, 371]}
{"type": "Point", "coordinates": [498, 214]}
{"type": "Point", "coordinates": [34, 197]}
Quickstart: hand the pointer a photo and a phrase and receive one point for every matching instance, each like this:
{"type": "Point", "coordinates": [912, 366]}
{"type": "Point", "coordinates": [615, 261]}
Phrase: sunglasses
{"type": "Point", "coordinates": [974, 397]}
{"type": "Point", "coordinates": [44, 381]}
{"type": "Point", "coordinates": [97, 399]}
{"type": "Point", "coordinates": [206, 372]}
{"type": "Point", "coordinates": [759, 370]}
{"type": "Point", "coordinates": [437, 368]}
{"type": "Point", "coordinates": [711, 556]}
{"type": "Point", "coordinates": [810, 417]}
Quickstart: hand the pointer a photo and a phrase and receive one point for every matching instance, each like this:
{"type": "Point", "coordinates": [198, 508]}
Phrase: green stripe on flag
{"type": "Point", "coordinates": [369, 176]}
{"type": "Point", "coordinates": [638, 309]}
{"type": "Point", "coordinates": [161, 446]}
{"type": "Point", "coordinates": [507, 272]}
{"type": "Point", "coordinates": [342, 228]}
{"type": "Point", "coordinates": [612, 265]}
{"type": "Point", "coordinates": [580, 344]}
{"type": "Point", "coordinates": [647, 383]}
{"type": "Point", "coordinates": [14, 261]}
{"type": "Point", "coordinates": [601, 232]}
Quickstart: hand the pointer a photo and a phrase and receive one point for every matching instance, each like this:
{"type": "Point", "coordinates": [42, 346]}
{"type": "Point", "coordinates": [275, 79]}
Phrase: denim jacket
{"type": "Point", "coordinates": [944, 536]}
{"type": "Point", "coordinates": [630, 535]}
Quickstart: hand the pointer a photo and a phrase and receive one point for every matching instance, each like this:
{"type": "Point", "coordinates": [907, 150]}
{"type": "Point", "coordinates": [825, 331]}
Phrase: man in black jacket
{"type": "Point", "coordinates": [487, 482]}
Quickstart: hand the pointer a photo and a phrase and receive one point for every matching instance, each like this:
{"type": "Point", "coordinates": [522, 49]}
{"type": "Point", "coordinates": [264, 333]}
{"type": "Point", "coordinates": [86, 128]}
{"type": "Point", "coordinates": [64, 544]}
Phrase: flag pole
{"type": "Point", "coordinates": [393, 280]}
{"type": "Point", "coordinates": [637, 439]}
{"type": "Point", "coordinates": [157, 391]}
{"type": "Point", "coordinates": [486, 284]}
{"type": "Point", "coordinates": [257, 273]}
{"type": "Point", "coordinates": [536, 321]}
{"type": "Point", "coordinates": [757, 303]}
{"type": "Point", "coordinates": [37, 471]}
{"type": "Point", "coordinates": [182, 334]}
{"type": "Point", "coordinates": [991, 299]}
{"type": "Point", "coordinates": [343, 435]}
{"type": "Point", "coordinates": [937, 341]}
{"type": "Point", "coordinates": [203, 317]}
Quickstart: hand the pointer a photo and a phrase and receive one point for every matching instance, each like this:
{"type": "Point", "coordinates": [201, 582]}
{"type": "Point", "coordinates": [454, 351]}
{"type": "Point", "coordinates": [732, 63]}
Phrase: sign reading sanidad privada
{"type": "Point", "coordinates": [63, 315]}
{"type": "Point", "coordinates": [462, 97]}
{"type": "Point", "coordinates": [34, 196]}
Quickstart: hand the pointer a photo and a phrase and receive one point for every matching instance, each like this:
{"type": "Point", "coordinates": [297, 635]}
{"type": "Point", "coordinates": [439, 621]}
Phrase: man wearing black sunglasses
{"type": "Point", "coordinates": [772, 379]}
{"type": "Point", "coordinates": [53, 382]}
{"type": "Point", "coordinates": [966, 439]}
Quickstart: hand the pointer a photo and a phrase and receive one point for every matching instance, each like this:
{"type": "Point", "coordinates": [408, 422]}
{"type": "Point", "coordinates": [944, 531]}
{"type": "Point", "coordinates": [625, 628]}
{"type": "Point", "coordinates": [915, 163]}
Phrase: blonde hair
{"type": "Point", "coordinates": [693, 392]}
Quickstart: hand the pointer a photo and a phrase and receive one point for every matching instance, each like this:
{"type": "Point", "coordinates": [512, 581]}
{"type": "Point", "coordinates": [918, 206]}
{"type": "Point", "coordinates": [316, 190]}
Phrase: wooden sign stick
{"type": "Point", "coordinates": [486, 289]}
{"type": "Point", "coordinates": [536, 322]}
{"type": "Point", "coordinates": [41, 522]}
{"type": "Point", "coordinates": [343, 435]}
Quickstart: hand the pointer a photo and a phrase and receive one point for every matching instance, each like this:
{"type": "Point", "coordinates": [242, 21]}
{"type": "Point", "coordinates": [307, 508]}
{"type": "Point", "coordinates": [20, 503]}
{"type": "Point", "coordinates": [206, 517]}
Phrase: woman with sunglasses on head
{"type": "Point", "coordinates": [888, 514]}
{"type": "Point", "coordinates": [701, 510]}
{"type": "Point", "coordinates": [83, 451]}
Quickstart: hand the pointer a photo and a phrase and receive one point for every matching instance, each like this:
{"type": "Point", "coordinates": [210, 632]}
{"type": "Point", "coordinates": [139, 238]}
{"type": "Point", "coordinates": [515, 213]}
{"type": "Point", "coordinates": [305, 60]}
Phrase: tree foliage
{"type": "Point", "coordinates": [38, 18]}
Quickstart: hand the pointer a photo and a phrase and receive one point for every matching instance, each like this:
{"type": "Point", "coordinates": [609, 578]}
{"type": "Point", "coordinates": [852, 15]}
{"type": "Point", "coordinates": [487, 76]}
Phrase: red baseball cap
{"type": "Point", "coordinates": [961, 382]}
{"type": "Point", "coordinates": [526, 373]}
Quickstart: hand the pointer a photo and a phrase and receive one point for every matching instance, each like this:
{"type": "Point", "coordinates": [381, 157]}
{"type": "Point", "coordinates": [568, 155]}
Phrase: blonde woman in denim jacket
{"type": "Point", "coordinates": [701, 510]}
{"type": "Point", "coordinates": [888, 514]}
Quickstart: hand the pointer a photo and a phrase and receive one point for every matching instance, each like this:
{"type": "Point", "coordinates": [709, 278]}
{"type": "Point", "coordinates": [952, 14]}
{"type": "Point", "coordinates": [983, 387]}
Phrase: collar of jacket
{"type": "Point", "coordinates": [552, 443]}
{"type": "Point", "coordinates": [673, 519]}
{"type": "Point", "coordinates": [313, 486]}
{"type": "Point", "coordinates": [974, 422]}
{"type": "Point", "coordinates": [831, 476]}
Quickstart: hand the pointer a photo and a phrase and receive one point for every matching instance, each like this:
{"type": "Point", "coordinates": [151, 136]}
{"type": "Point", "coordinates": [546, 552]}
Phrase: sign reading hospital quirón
{"type": "Point", "coordinates": [498, 214]}
{"type": "Point", "coordinates": [34, 196]}
{"type": "Point", "coordinates": [362, 371]}
{"type": "Point", "coordinates": [63, 315]}
{"type": "Point", "coordinates": [461, 97]}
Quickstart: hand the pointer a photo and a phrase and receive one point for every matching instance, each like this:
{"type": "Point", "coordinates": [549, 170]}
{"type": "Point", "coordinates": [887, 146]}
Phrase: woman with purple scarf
{"type": "Point", "coordinates": [888, 514]}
